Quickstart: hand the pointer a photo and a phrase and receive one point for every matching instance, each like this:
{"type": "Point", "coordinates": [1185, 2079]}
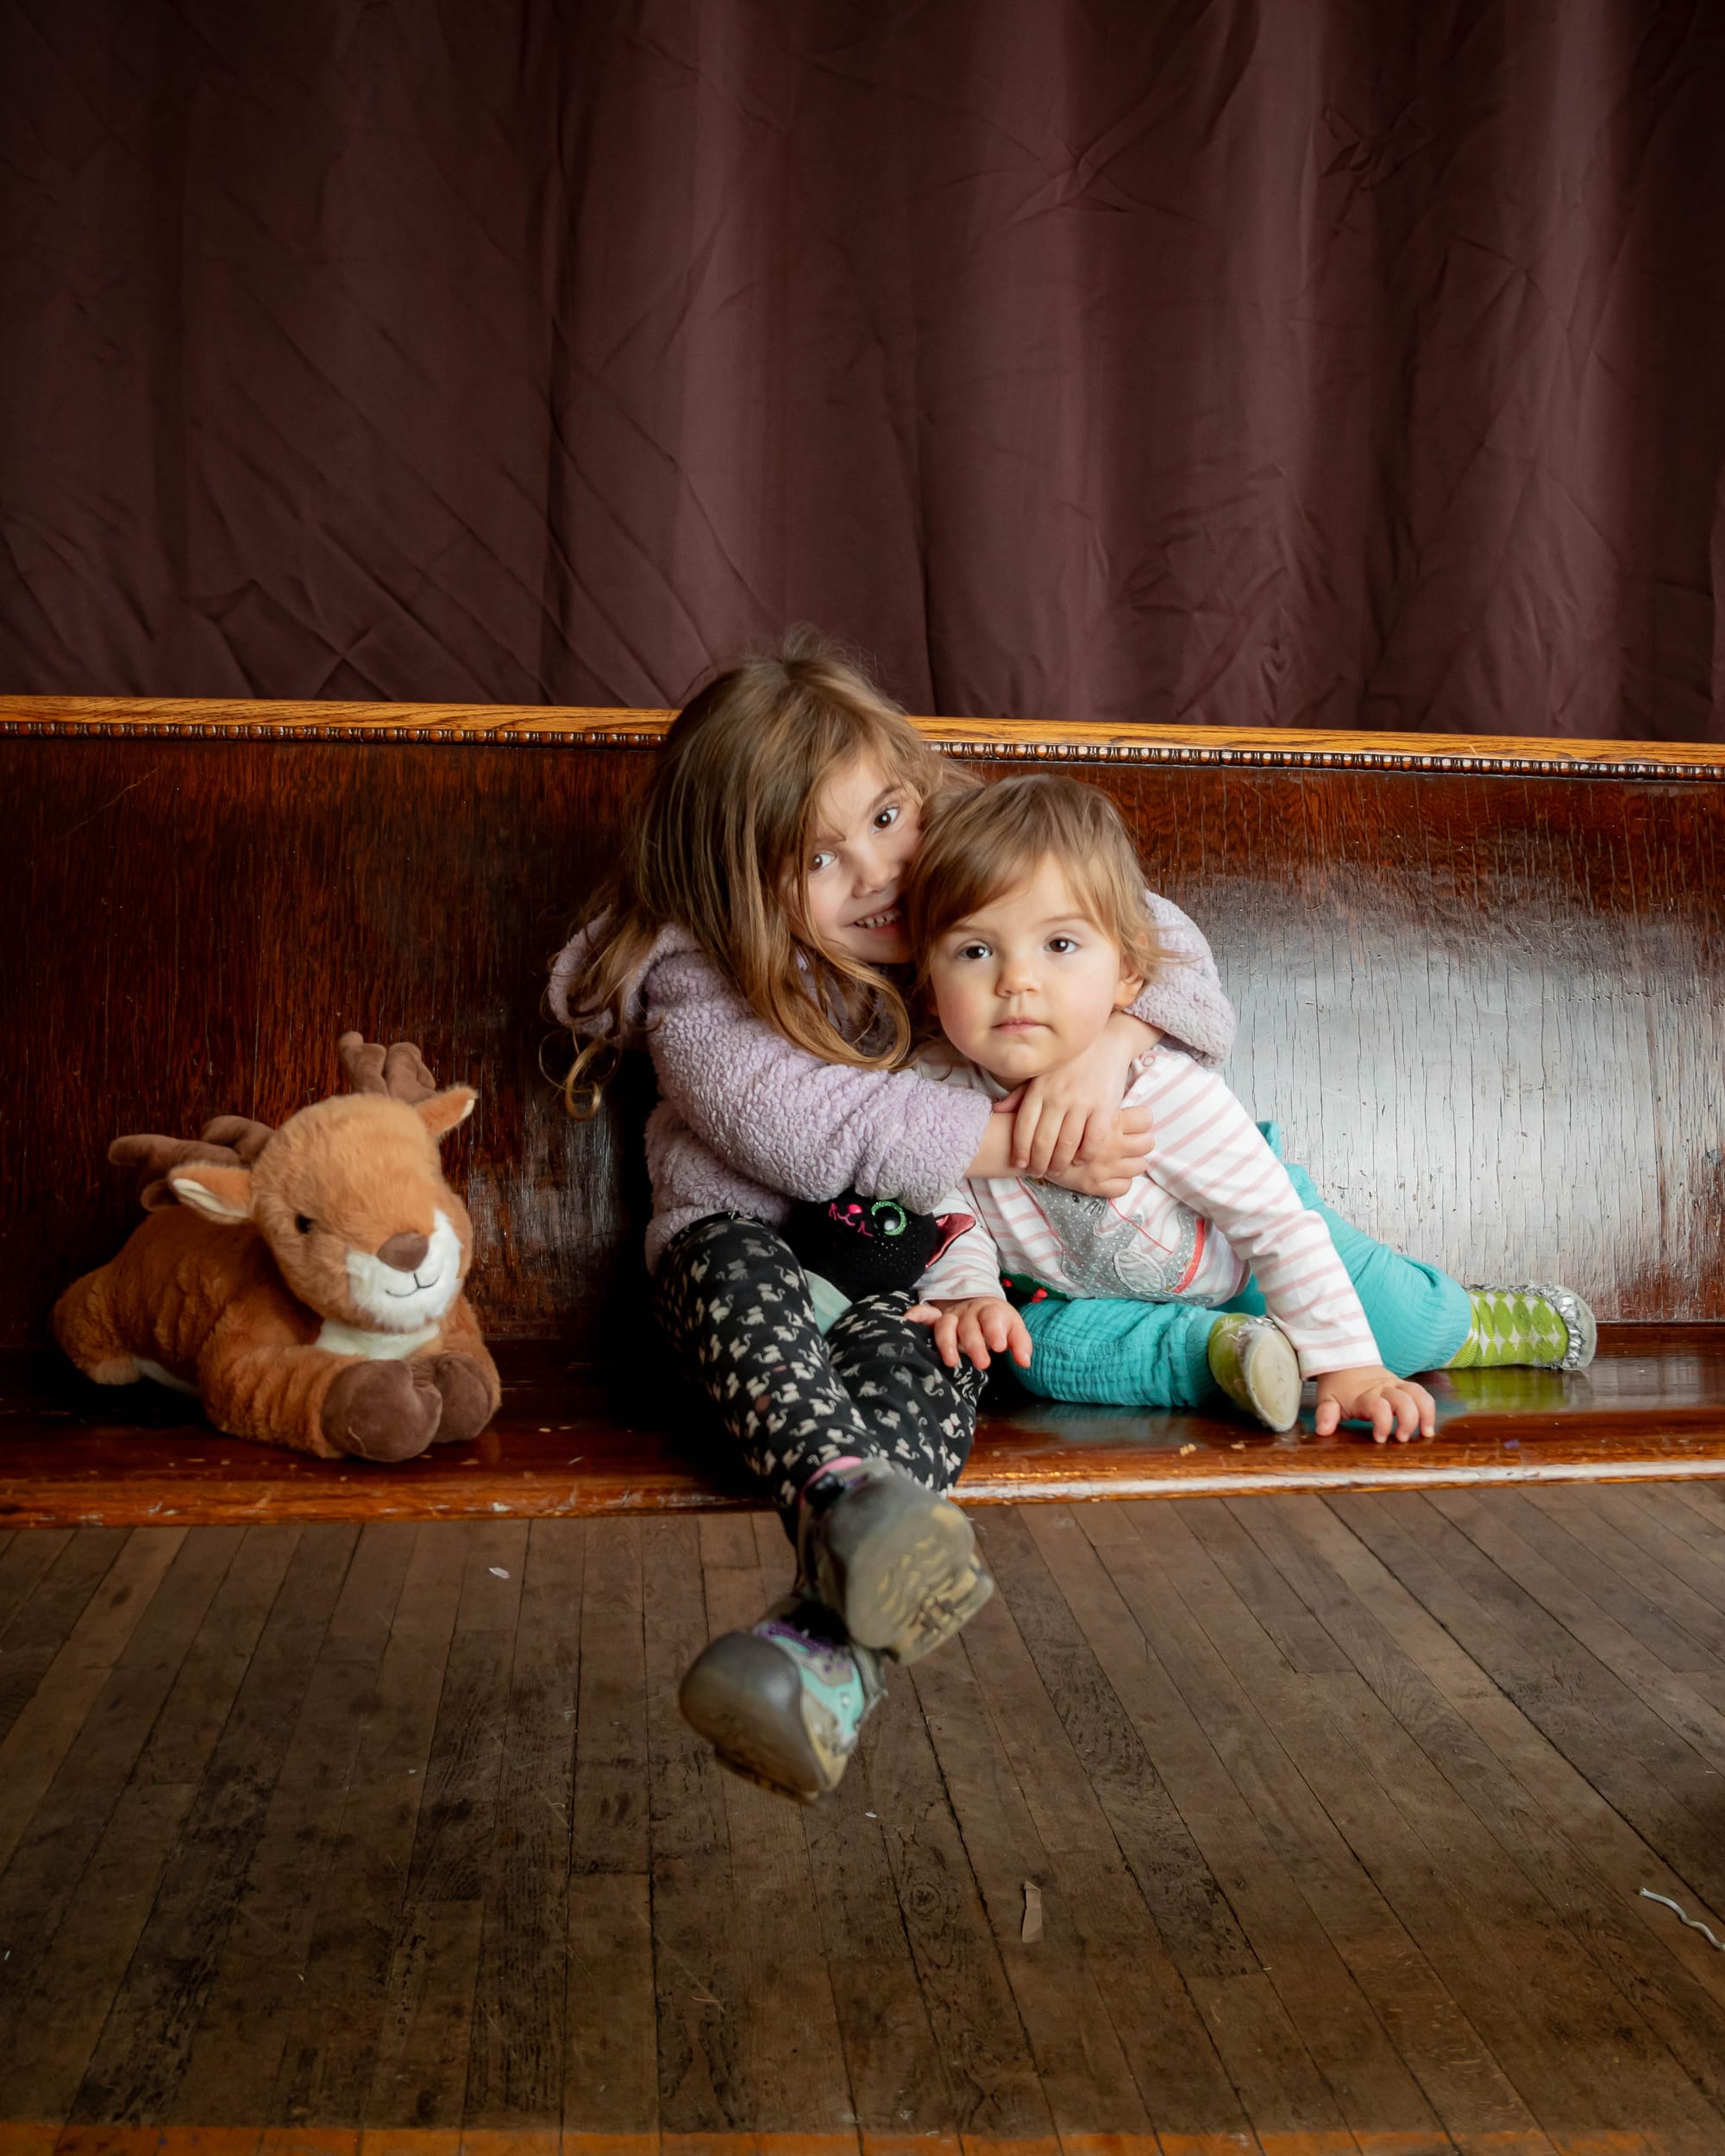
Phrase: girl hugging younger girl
{"type": "Point", "coordinates": [753, 941]}
{"type": "Point", "coordinates": [748, 940]}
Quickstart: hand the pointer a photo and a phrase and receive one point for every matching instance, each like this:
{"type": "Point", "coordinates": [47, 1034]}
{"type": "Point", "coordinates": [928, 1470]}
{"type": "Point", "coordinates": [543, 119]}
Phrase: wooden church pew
{"type": "Point", "coordinates": [1482, 986]}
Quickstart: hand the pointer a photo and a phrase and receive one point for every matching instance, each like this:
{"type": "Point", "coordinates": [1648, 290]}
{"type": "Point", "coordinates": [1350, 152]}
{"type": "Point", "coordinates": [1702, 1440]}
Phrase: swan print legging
{"type": "Point", "coordinates": [733, 1299]}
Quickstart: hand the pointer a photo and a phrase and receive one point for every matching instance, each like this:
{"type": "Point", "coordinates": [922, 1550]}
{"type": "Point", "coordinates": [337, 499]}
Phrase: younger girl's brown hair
{"type": "Point", "coordinates": [721, 847]}
{"type": "Point", "coordinates": [979, 845]}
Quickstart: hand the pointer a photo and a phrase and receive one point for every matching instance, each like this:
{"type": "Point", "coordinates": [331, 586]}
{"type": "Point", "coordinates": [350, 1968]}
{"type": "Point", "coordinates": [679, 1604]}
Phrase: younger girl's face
{"type": "Point", "coordinates": [863, 838]}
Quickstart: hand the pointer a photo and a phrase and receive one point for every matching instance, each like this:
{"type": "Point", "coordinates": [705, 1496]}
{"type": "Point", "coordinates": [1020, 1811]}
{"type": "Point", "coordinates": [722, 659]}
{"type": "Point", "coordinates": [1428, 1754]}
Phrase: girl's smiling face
{"type": "Point", "coordinates": [863, 836]}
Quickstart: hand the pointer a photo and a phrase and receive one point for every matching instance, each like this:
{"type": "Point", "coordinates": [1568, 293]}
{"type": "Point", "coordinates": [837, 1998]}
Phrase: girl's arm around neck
{"type": "Point", "coordinates": [792, 1123]}
{"type": "Point", "coordinates": [1185, 1000]}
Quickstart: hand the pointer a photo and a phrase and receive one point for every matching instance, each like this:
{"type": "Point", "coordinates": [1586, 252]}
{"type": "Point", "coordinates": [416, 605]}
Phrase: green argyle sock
{"type": "Point", "coordinates": [1525, 1328]}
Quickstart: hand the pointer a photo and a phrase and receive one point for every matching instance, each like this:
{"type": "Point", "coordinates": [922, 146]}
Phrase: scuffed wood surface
{"type": "Point", "coordinates": [1652, 1407]}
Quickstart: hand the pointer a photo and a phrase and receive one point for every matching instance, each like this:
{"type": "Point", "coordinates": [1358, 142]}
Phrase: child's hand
{"type": "Point", "coordinates": [1393, 1406]}
{"type": "Point", "coordinates": [1109, 1178]}
{"type": "Point", "coordinates": [972, 1326]}
{"type": "Point", "coordinates": [1075, 1114]}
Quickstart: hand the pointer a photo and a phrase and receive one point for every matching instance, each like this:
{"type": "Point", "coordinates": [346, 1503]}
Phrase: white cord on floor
{"type": "Point", "coordinates": [1693, 1922]}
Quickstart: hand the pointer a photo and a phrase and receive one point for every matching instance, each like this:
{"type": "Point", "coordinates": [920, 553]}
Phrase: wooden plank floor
{"type": "Point", "coordinates": [327, 1840]}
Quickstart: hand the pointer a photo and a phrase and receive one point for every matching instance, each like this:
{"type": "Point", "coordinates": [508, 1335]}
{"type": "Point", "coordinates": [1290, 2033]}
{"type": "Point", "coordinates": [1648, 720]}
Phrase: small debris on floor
{"type": "Point", "coordinates": [1031, 1931]}
{"type": "Point", "coordinates": [1694, 1922]}
{"type": "Point", "coordinates": [1185, 1448]}
{"type": "Point", "coordinates": [497, 1571]}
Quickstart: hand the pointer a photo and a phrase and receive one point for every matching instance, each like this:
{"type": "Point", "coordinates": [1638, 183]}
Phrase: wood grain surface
{"type": "Point", "coordinates": [1486, 1006]}
{"type": "Point", "coordinates": [389, 1841]}
{"type": "Point", "coordinates": [1652, 1408]}
{"type": "Point", "coordinates": [527, 723]}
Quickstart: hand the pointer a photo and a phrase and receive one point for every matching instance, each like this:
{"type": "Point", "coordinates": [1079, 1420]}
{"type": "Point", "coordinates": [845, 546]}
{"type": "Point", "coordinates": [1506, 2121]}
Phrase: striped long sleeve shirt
{"type": "Point", "coordinates": [1215, 1208]}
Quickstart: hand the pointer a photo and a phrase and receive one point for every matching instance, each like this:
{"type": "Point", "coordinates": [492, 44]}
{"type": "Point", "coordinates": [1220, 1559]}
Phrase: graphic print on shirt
{"type": "Point", "coordinates": [1103, 1251]}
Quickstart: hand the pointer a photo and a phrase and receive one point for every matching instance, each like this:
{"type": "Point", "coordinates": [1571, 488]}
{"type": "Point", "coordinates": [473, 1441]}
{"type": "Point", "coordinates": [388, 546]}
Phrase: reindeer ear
{"type": "Point", "coordinates": [222, 1194]}
{"type": "Point", "coordinates": [443, 1111]}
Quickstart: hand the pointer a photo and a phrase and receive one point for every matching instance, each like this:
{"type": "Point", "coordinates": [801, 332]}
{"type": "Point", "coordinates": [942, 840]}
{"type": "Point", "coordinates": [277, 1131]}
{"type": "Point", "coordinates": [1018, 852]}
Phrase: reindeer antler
{"type": "Point", "coordinates": [398, 1072]}
{"type": "Point", "coordinates": [246, 1138]}
{"type": "Point", "coordinates": [155, 1155]}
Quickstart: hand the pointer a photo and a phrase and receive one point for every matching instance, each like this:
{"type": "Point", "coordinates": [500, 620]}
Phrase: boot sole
{"type": "Point", "coordinates": [1270, 1372]}
{"type": "Point", "coordinates": [900, 1565]}
{"type": "Point", "coordinates": [744, 1697]}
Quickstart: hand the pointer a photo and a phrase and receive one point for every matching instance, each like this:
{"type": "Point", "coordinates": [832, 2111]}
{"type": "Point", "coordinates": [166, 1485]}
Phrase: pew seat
{"type": "Point", "coordinates": [1481, 984]}
{"type": "Point", "coordinates": [1652, 1408]}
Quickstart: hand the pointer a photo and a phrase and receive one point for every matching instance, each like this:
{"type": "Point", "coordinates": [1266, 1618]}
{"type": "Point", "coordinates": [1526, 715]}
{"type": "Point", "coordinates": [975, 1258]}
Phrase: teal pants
{"type": "Point", "coordinates": [1154, 1354]}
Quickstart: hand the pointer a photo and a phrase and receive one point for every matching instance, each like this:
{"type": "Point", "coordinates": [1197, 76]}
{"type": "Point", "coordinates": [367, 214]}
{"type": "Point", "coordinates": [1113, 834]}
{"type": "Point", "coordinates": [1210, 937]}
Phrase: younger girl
{"type": "Point", "coordinates": [744, 940]}
{"type": "Point", "coordinates": [1024, 909]}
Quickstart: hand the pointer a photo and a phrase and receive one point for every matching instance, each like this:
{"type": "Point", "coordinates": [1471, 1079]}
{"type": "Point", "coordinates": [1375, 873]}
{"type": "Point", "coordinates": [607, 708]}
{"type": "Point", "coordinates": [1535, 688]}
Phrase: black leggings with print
{"type": "Point", "coordinates": [735, 1303]}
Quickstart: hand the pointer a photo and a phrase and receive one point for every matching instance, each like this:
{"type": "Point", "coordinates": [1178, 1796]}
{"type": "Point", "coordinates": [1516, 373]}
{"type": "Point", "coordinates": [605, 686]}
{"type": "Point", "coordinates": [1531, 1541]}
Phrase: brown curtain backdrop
{"type": "Point", "coordinates": [1354, 363]}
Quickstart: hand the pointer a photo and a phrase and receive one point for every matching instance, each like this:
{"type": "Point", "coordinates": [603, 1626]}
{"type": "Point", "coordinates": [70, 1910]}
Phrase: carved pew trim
{"type": "Point", "coordinates": [1289, 748]}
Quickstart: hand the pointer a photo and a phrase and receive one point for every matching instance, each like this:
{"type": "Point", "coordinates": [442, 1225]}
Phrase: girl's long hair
{"type": "Point", "coordinates": [721, 847]}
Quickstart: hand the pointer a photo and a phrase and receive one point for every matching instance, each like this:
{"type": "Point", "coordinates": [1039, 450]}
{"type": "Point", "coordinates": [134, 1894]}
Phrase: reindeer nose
{"type": "Point", "coordinates": [406, 1253]}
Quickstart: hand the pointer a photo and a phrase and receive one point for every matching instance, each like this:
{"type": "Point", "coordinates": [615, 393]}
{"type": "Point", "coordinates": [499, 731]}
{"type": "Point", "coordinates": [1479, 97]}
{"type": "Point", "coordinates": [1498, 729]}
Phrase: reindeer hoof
{"type": "Point", "coordinates": [467, 1404]}
{"type": "Point", "coordinates": [383, 1411]}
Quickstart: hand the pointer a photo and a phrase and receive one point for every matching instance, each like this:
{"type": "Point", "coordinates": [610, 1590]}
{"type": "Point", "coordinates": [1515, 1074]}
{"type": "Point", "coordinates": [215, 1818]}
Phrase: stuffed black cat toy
{"type": "Point", "coordinates": [868, 1246]}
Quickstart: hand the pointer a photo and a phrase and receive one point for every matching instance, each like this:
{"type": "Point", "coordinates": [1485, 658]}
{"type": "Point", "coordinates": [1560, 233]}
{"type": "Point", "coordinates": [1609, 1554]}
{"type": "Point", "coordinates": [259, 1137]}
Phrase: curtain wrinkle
{"type": "Point", "coordinates": [1251, 364]}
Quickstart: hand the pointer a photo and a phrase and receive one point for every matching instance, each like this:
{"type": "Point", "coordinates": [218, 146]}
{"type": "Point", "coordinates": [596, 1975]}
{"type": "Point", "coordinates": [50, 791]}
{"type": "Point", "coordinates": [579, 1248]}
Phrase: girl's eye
{"type": "Point", "coordinates": [820, 861]}
{"type": "Point", "coordinates": [1062, 943]}
{"type": "Point", "coordinates": [888, 818]}
{"type": "Point", "coordinates": [973, 950]}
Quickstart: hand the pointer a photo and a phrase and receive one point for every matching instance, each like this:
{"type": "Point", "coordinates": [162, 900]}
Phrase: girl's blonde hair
{"type": "Point", "coordinates": [978, 846]}
{"type": "Point", "coordinates": [721, 847]}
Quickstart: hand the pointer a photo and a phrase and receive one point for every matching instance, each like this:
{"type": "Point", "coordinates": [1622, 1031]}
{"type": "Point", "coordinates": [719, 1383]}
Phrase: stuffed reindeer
{"type": "Point", "coordinates": [305, 1282]}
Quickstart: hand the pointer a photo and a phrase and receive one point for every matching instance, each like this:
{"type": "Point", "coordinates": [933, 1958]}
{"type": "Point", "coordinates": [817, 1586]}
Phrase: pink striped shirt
{"type": "Point", "coordinates": [1215, 1208]}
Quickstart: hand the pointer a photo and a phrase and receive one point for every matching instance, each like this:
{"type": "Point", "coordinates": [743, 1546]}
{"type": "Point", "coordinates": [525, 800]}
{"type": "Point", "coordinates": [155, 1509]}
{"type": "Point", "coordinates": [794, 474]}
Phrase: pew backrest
{"type": "Point", "coordinates": [1482, 983]}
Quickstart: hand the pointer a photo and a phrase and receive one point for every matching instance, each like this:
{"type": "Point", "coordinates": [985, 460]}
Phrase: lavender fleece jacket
{"type": "Point", "coordinates": [747, 1122]}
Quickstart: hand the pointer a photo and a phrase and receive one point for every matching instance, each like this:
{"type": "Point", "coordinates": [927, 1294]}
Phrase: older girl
{"type": "Point", "coordinates": [749, 939]}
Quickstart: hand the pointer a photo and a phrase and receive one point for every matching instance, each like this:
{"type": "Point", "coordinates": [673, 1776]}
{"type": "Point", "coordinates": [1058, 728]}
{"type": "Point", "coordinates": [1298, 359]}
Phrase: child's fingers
{"type": "Point", "coordinates": [1126, 1134]}
{"type": "Point", "coordinates": [970, 1339]}
{"type": "Point", "coordinates": [923, 1314]}
{"type": "Point", "coordinates": [1018, 1339]}
{"type": "Point", "coordinates": [1051, 1155]}
{"type": "Point", "coordinates": [944, 1334]}
{"type": "Point", "coordinates": [1067, 1137]}
{"type": "Point", "coordinates": [997, 1327]}
{"type": "Point", "coordinates": [1382, 1419]}
{"type": "Point", "coordinates": [1328, 1416]}
{"type": "Point", "coordinates": [1026, 1124]}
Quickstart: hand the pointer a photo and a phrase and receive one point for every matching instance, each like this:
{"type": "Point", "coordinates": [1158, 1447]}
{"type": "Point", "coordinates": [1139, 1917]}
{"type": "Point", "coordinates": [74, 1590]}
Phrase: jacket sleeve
{"type": "Point", "coordinates": [564, 967]}
{"type": "Point", "coordinates": [1185, 1000]}
{"type": "Point", "coordinates": [792, 1123]}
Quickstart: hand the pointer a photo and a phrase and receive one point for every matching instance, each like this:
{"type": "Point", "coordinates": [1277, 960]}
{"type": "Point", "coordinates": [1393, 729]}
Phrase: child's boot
{"type": "Point", "coordinates": [1254, 1361]}
{"type": "Point", "coordinates": [782, 1703]}
{"type": "Point", "coordinates": [896, 1561]}
{"type": "Point", "coordinates": [1531, 1327]}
